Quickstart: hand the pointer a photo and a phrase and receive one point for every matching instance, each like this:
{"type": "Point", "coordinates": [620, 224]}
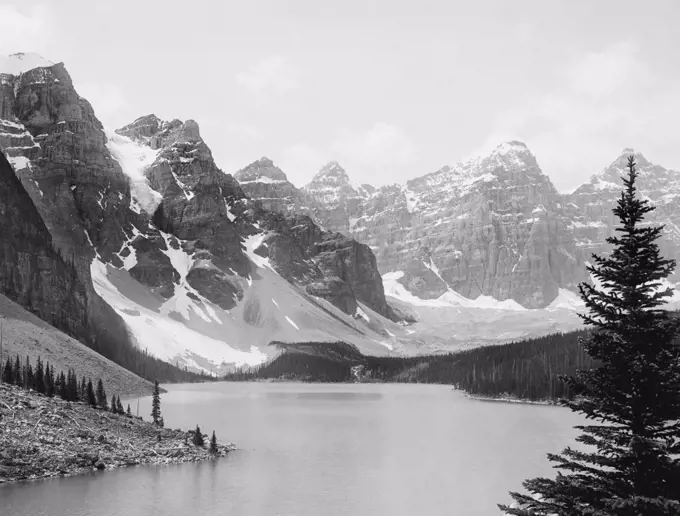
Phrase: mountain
{"type": "Point", "coordinates": [170, 254]}
{"type": "Point", "coordinates": [493, 227]}
{"type": "Point", "coordinates": [590, 205]}
{"type": "Point", "coordinates": [267, 183]}
{"type": "Point", "coordinates": [334, 199]}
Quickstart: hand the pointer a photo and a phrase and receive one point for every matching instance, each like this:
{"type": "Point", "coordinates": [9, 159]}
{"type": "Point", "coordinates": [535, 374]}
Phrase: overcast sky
{"type": "Point", "coordinates": [392, 89]}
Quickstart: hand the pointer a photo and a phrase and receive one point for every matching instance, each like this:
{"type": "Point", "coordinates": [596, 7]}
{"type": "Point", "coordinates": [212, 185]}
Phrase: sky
{"type": "Point", "coordinates": [392, 89]}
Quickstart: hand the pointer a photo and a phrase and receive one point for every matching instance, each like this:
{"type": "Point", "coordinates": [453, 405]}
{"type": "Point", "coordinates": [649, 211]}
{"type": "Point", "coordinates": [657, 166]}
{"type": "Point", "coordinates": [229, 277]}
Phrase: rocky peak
{"type": "Point", "coordinates": [262, 170]}
{"type": "Point", "coordinates": [652, 177]}
{"type": "Point", "coordinates": [331, 174]}
{"type": "Point", "coordinates": [510, 156]}
{"type": "Point", "coordinates": [142, 129]}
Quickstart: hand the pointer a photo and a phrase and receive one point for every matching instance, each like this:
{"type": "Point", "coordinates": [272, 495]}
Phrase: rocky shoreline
{"type": "Point", "coordinates": [43, 437]}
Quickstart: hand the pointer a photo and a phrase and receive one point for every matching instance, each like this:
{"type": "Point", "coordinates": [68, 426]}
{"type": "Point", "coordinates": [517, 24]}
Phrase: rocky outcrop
{"type": "Point", "coordinates": [329, 265]}
{"type": "Point", "coordinates": [265, 182]}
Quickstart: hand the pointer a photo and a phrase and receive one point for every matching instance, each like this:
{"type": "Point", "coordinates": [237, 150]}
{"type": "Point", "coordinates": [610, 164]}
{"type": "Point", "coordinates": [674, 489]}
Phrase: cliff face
{"type": "Point", "coordinates": [32, 273]}
{"type": "Point", "coordinates": [57, 149]}
{"type": "Point", "coordinates": [492, 226]}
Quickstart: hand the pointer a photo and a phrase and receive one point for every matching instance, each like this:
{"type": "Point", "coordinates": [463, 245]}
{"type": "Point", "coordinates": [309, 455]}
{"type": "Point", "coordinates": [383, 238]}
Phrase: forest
{"type": "Point", "coordinates": [527, 369]}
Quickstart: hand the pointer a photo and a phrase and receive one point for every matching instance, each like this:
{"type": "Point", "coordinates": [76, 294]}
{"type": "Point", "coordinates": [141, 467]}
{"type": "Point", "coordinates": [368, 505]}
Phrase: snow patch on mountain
{"type": "Point", "coordinates": [449, 299]}
{"type": "Point", "coordinates": [163, 336]}
{"type": "Point", "coordinates": [134, 159]}
{"type": "Point", "coordinates": [22, 62]}
{"type": "Point", "coordinates": [566, 299]}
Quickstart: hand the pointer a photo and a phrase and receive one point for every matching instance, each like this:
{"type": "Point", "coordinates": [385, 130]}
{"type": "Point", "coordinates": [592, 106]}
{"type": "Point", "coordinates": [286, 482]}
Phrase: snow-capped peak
{"type": "Point", "coordinates": [262, 170]}
{"type": "Point", "coordinates": [21, 62]}
{"type": "Point", "coordinates": [331, 171]}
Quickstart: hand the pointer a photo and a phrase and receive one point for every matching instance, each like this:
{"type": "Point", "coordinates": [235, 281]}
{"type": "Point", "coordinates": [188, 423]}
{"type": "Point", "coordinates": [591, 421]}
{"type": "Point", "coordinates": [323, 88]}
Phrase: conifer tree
{"type": "Point", "coordinates": [213, 443]}
{"type": "Point", "coordinates": [156, 403]}
{"type": "Point", "coordinates": [198, 437]}
{"type": "Point", "coordinates": [91, 398]}
{"type": "Point", "coordinates": [49, 380]}
{"type": "Point", "coordinates": [82, 393]}
{"type": "Point", "coordinates": [119, 407]}
{"type": "Point", "coordinates": [39, 377]}
{"type": "Point", "coordinates": [113, 407]}
{"type": "Point", "coordinates": [63, 387]}
{"type": "Point", "coordinates": [74, 393]}
{"type": "Point", "coordinates": [633, 393]}
{"type": "Point", "coordinates": [8, 373]}
{"type": "Point", "coordinates": [29, 378]}
{"type": "Point", "coordinates": [18, 376]}
{"type": "Point", "coordinates": [129, 412]}
{"type": "Point", "coordinates": [101, 395]}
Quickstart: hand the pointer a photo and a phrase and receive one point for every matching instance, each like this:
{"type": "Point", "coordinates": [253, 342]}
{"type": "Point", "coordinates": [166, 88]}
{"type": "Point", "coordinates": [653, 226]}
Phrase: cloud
{"type": "Point", "coordinates": [270, 74]}
{"type": "Point", "coordinates": [25, 30]}
{"type": "Point", "coordinates": [107, 101]}
{"type": "Point", "coordinates": [301, 161]}
{"type": "Point", "coordinates": [382, 144]}
{"type": "Point", "coordinates": [603, 102]}
{"type": "Point", "coordinates": [244, 130]}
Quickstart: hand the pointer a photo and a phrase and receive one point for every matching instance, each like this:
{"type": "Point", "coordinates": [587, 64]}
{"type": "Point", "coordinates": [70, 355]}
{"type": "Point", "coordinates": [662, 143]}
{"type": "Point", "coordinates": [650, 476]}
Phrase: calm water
{"type": "Point", "coordinates": [317, 450]}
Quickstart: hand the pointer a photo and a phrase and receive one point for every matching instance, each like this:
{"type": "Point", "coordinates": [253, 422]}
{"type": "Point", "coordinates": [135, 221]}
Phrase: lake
{"type": "Point", "coordinates": [322, 450]}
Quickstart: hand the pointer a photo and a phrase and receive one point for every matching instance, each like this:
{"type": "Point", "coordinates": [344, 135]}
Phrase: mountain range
{"type": "Point", "coordinates": [134, 239]}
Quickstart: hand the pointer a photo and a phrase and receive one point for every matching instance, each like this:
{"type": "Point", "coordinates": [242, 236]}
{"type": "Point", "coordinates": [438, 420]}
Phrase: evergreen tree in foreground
{"type": "Point", "coordinates": [156, 404]}
{"type": "Point", "coordinates": [129, 412]}
{"type": "Point", "coordinates": [213, 443]}
{"type": "Point", "coordinates": [633, 394]}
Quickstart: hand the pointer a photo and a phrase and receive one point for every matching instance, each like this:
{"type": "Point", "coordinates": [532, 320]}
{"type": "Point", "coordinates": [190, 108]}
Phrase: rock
{"type": "Point", "coordinates": [268, 184]}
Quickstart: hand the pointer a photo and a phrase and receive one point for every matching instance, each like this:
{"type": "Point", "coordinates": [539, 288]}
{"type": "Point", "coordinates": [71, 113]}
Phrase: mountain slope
{"type": "Point", "coordinates": [27, 335]}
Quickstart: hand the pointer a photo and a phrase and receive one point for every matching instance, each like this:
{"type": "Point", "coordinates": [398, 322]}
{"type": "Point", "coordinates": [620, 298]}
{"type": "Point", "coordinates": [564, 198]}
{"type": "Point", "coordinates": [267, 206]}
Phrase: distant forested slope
{"type": "Point", "coordinates": [527, 369]}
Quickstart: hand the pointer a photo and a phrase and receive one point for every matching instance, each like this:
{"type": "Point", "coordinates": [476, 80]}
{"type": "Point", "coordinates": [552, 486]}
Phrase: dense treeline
{"type": "Point", "coordinates": [43, 379]}
{"type": "Point", "coordinates": [527, 369]}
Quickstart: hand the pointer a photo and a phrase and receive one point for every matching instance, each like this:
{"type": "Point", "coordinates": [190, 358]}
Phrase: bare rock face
{"type": "Point", "coordinates": [590, 206]}
{"type": "Point", "coordinates": [56, 146]}
{"type": "Point", "coordinates": [335, 201]}
{"type": "Point", "coordinates": [492, 226]}
{"type": "Point", "coordinates": [329, 265]}
{"type": "Point", "coordinates": [32, 273]}
{"type": "Point", "coordinates": [265, 182]}
{"type": "Point", "coordinates": [209, 216]}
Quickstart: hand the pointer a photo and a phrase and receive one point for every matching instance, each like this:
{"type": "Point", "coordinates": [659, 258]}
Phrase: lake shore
{"type": "Point", "coordinates": [507, 399]}
{"type": "Point", "coordinates": [42, 437]}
